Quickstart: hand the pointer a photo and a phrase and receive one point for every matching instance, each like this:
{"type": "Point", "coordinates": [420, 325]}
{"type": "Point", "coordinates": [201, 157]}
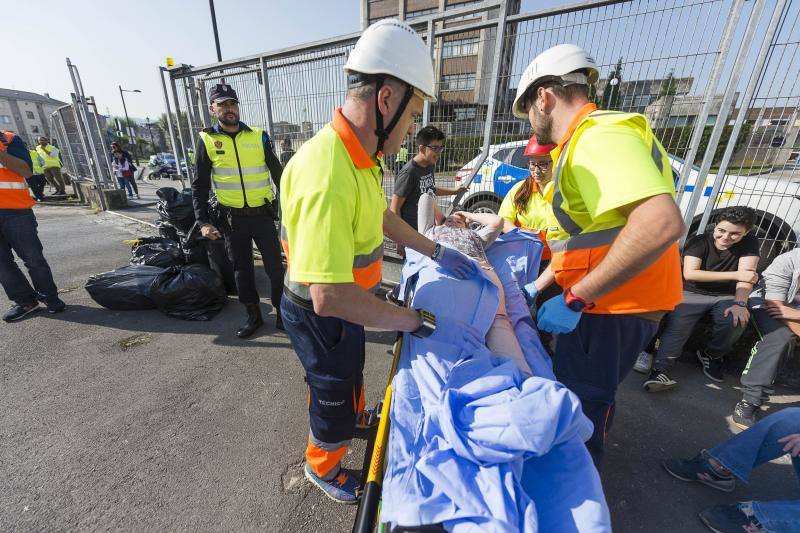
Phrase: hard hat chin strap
{"type": "Point", "coordinates": [381, 132]}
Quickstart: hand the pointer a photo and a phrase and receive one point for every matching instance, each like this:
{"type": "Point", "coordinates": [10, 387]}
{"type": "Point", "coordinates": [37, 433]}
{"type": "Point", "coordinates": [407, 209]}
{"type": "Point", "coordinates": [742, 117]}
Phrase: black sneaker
{"type": "Point", "coordinates": [658, 381]}
{"type": "Point", "coordinates": [55, 306]}
{"type": "Point", "coordinates": [20, 311]}
{"type": "Point", "coordinates": [732, 518]}
{"type": "Point", "coordinates": [744, 414]}
{"type": "Point", "coordinates": [712, 366]}
{"type": "Point", "coordinates": [699, 469]}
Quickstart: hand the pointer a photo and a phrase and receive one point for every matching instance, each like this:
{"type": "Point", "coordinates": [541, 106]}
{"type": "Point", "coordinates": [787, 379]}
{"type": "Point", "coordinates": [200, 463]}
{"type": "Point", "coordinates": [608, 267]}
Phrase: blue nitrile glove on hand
{"type": "Point", "coordinates": [555, 317]}
{"type": "Point", "coordinates": [452, 331]}
{"type": "Point", "coordinates": [455, 262]}
{"type": "Point", "coordinates": [530, 292]}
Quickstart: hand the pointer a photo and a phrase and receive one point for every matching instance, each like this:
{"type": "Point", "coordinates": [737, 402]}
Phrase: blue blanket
{"type": "Point", "coordinates": [475, 445]}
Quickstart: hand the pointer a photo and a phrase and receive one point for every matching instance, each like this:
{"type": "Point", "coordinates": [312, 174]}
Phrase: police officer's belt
{"type": "Point", "coordinates": [261, 210]}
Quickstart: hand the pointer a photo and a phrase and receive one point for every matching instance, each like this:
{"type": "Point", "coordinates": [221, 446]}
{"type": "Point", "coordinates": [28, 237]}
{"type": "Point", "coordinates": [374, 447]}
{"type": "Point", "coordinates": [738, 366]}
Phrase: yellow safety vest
{"type": "Point", "coordinates": [36, 162]}
{"type": "Point", "coordinates": [50, 155]}
{"type": "Point", "coordinates": [238, 167]}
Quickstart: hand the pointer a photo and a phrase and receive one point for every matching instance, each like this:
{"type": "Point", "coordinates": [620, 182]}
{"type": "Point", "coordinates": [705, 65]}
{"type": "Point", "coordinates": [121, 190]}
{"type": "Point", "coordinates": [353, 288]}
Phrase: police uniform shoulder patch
{"type": "Point", "coordinates": [218, 144]}
{"type": "Point", "coordinates": [207, 130]}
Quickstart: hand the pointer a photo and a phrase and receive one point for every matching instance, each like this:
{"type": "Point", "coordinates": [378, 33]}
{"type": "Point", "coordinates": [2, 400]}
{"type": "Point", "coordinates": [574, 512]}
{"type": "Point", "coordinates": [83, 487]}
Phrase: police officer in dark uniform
{"type": "Point", "coordinates": [239, 162]}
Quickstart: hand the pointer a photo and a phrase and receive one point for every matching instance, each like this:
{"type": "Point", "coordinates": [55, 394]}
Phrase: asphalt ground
{"type": "Point", "coordinates": [136, 421]}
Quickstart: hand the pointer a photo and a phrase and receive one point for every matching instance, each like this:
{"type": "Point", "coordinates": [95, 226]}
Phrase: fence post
{"type": "Point", "coordinates": [81, 135]}
{"type": "Point", "coordinates": [713, 82]}
{"type": "Point", "coordinates": [492, 102]}
{"type": "Point", "coordinates": [755, 77]}
{"type": "Point", "coordinates": [204, 102]}
{"type": "Point", "coordinates": [722, 116]}
{"type": "Point", "coordinates": [182, 150]}
{"type": "Point", "coordinates": [267, 98]}
{"type": "Point", "coordinates": [78, 111]}
{"type": "Point", "coordinates": [103, 144]}
{"type": "Point", "coordinates": [426, 110]}
{"type": "Point", "coordinates": [169, 117]}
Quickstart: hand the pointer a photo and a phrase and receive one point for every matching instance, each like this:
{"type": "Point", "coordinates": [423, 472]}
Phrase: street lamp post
{"type": "Point", "coordinates": [150, 134]}
{"type": "Point", "coordinates": [127, 120]}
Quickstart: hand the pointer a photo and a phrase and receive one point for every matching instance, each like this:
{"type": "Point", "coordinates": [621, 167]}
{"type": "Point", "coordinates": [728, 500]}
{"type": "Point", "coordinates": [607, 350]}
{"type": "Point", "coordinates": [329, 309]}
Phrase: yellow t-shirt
{"type": "Point", "coordinates": [535, 216]}
{"type": "Point", "coordinates": [332, 204]}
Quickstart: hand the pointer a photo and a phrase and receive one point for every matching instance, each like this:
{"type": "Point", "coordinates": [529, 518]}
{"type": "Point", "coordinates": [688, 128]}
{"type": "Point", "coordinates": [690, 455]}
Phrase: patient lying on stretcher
{"type": "Point", "coordinates": [454, 232]}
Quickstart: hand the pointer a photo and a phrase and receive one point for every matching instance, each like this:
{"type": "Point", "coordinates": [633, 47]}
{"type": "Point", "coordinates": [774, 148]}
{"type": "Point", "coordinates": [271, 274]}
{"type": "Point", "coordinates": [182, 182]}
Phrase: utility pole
{"type": "Point", "coordinates": [127, 120]}
{"type": "Point", "coordinates": [214, 24]}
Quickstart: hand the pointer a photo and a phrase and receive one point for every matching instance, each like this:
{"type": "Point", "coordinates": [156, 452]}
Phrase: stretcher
{"type": "Point", "coordinates": [561, 480]}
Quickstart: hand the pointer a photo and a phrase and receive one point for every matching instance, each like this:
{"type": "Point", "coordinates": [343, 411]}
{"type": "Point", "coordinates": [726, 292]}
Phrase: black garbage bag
{"type": "Point", "coordinates": [176, 207]}
{"type": "Point", "coordinates": [189, 292]}
{"type": "Point", "coordinates": [126, 288]}
{"type": "Point", "coordinates": [156, 251]}
{"type": "Point", "coordinates": [167, 230]}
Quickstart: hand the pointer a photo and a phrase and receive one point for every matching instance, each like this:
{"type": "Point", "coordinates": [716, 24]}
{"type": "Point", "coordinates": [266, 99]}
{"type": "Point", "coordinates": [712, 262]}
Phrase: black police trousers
{"type": "Point", "coordinates": [240, 233]}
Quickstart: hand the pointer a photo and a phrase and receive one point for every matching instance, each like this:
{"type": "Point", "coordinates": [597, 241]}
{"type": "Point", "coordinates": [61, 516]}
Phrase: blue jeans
{"type": "Point", "coordinates": [755, 446]}
{"type": "Point", "coordinates": [125, 183]}
{"type": "Point", "coordinates": [18, 236]}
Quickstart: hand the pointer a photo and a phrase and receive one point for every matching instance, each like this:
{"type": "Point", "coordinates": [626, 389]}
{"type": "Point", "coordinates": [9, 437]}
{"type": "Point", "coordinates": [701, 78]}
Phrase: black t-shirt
{"type": "Point", "coordinates": [714, 260]}
{"type": "Point", "coordinates": [412, 182]}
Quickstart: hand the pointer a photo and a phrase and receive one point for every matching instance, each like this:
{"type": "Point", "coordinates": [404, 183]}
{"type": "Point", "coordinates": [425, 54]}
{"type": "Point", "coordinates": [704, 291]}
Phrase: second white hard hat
{"type": "Point", "coordinates": [571, 63]}
{"type": "Point", "coordinates": [392, 47]}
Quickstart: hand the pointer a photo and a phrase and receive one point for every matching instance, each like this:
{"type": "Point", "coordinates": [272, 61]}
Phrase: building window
{"type": "Point", "coordinates": [420, 13]}
{"type": "Point", "coordinates": [458, 82]}
{"type": "Point", "coordinates": [643, 100]}
{"type": "Point", "coordinates": [5, 119]}
{"type": "Point", "coordinates": [30, 114]}
{"type": "Point", "coordinates": [465, 113]}
{"type": "Point", "coordinates": [34, 129]}
{"type": "Point", "coordinates": [679, 121]}
{"type": "Point", "coordinates": [460, 47]}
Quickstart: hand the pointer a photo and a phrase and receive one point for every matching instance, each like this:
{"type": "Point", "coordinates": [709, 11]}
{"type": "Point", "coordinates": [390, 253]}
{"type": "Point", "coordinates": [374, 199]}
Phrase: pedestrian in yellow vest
{"type": "Point", "coordinates": [239, 163]}
{"type": "Point", "coordinates": [51, 156]}
{"type": "Point", "coordinates": [613, 231]}
{"type": "Point", "coordinates": [36, 182]}
{"type": "Point", "coordinates": [334, 220]}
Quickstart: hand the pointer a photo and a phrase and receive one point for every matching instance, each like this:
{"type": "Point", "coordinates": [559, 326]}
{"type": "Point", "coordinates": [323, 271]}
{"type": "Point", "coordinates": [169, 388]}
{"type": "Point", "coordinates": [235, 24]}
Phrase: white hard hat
{"type": "Point", "coordinates": [392, 47]}
{"type": "Point", "coordinates": [571, 63]}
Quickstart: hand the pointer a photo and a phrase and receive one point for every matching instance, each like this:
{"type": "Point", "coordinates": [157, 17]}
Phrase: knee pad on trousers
{"type": "Point", "coordinates": [332, 406]}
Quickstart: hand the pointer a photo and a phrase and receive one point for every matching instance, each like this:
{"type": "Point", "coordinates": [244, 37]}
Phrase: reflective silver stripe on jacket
{"type": "Point", "coordinates": [225, 171]}
{"type": "Point", "coordinates": [13, 185]}
{"type": "Point", "coordinates": [365, 260]}
{"type": "Point", "coordinates": [593, 239]}
{"type": "Point", "coordinates": [237, 185]}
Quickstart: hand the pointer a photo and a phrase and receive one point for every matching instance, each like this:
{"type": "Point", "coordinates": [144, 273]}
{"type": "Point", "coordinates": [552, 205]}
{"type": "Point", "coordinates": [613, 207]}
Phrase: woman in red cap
{"type": "Point", "coordinates": [528, 205]}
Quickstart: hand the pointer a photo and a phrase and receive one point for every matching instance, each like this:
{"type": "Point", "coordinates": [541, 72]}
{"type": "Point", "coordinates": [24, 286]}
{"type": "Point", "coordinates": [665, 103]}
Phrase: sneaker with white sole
{"type": "Point", "coordinates": [712, 366]}
{"type": "Point", "coordinates": [341, 489]}
{"type": "Point", "coordinates": [20, 311]}
{"type": "Point", "coordinates": [733, 518]}
{"type": "Point", "coordinates": [658, 381]}
{"type": "Point", "coordinates": [700, 469]}
{"type": "Point", "coordinates": [644, 363]}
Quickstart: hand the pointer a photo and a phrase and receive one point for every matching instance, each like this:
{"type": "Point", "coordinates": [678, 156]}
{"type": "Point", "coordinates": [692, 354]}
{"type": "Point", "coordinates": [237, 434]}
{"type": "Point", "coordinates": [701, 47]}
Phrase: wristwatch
{"type": "Point", "coordinates": [576, 303]}
{"type": "Point", "coordinates": [740, 303]}
{"type": "Point", "coordinates": [436, 251]}
{"type": "Point", "coordinates": [427, 324]}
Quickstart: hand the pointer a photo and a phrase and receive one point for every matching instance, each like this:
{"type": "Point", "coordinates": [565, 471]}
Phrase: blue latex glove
{"type": "Point", "coordinates": [555, 317]}
{"type": "Point", "coordinates": [531, 292]}
{"type": "Point", "coordinates": [452, 331]}
{"type": "Point", "coordinates": [455, 262]}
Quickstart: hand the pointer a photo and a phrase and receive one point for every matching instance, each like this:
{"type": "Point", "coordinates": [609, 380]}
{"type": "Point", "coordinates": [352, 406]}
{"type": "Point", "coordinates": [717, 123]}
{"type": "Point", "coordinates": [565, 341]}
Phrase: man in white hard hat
{"type": "Point", "coordinates": [334, 219]}
{"type": "Point", "coordinates": [612, 232]}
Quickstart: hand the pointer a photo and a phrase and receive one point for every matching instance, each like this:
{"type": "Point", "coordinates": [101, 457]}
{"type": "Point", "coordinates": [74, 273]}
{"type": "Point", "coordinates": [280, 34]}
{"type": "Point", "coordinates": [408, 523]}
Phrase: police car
{"type": "Point", "coordinates": [774, 195]}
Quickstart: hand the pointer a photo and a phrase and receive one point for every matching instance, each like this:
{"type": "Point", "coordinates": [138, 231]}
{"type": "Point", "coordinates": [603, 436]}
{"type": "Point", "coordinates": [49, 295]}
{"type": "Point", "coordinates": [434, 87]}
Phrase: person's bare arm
{"type": "Point", "coordinates": [397, 203]}
{"type": "Point", "coordinates": [15, 164]}
{"type": "Point", "coordinates": [788, 315]}
{"type": "Point", "coordinates": [508, 226]}
{"type": "Point", "coordinates": [438, 216]}
{"type": "Point", "coordinates": [448, 191]}
{"type": "Point", "coordinates": [545, 279]}
{"type": "Point", "coordinates": [396, 229]}
{"type": "Point", "coordinates": [692, 272]}
{"type": "Point", "coordinates": [746, 267]}
{"type": "Point", "coordinates": [350, 302]}
{"type": "Point", "coordinates": [653, 225]}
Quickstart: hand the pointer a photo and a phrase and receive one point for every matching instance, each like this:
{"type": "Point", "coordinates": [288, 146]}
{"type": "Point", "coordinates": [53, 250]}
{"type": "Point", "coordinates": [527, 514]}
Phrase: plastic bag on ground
{"type": "Point", "coordinates": [126, 288]}
{"type": "Point", "coordinates": [157, 251]}
{"type": "Point", "coordinates": [167, 230]}
{"type": "Point", "coordinates": [189, 292]}
{"type": "Point", "coordinates": [176, 207]}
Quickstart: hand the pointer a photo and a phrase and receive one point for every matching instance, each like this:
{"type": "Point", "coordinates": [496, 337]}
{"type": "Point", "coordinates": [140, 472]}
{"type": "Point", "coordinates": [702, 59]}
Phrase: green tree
{"type": "Point", "coordinates": [611, 93]}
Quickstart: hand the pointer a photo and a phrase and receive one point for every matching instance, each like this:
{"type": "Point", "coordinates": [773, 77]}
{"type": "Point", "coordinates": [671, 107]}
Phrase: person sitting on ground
{"type": "Point", "coordinates": [453, 231]}
{"type": "Point", "coordinates": [719, 271]}
{"type": "Point", "coordinates": [772, 437]}
{"type": "Point", "coordinates": [775, 308]}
